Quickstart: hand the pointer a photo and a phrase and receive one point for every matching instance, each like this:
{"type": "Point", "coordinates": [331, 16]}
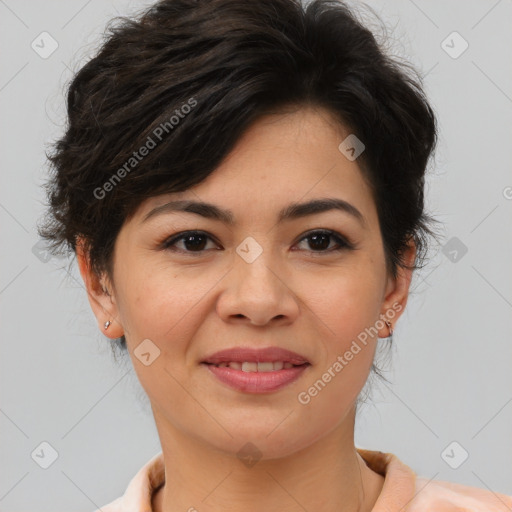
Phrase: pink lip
{"type": "Point", "coordinates": [241, 354]}
{"type": "Point", "coordinates": [257, 382]}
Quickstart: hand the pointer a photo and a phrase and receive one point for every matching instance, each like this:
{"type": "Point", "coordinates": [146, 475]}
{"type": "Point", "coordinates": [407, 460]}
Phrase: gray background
{"type": "Point", "coordinates": [450, 371]}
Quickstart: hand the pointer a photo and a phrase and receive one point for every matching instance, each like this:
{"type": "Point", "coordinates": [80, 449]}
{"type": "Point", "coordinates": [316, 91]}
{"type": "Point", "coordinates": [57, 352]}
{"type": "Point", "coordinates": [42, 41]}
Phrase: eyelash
{"type": "Point", "coordinates": [342, 242]}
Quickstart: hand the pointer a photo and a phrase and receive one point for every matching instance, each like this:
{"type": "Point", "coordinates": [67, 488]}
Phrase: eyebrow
{"type": "Point", "coordinates": [291, 212]}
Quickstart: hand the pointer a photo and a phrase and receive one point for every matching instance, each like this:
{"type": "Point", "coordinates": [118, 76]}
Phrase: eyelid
{"type": "Point", "coordinates": [168, 241]}
{"type": "Point", "coordinates": [343, 242]}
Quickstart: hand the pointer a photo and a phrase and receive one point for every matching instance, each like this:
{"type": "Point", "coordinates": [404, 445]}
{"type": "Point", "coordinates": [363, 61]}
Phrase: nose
{"type": "Point", "coordinates": [258, 293]}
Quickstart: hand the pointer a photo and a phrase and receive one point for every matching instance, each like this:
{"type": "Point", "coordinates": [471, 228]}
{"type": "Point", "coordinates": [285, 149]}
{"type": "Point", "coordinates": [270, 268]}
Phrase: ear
{"type": "Point", "coordinates": [99, 292]}
{"type": "Point", "coordinates": [397, 290]}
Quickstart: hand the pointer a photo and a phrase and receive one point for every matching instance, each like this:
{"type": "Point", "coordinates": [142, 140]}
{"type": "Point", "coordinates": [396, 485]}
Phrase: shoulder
{"type": "Point", "coordinates": [114, 506]}
{"type": "Point", "coordinates": [404, 490]}
{"type": "Point", "coordinates": [451, 497]}
{"type": "Point", "coordinates": [138, 495]}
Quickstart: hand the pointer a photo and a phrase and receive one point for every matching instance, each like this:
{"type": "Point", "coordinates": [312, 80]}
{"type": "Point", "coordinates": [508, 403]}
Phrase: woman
{"type": "Point", "coordinates": [242, 184]}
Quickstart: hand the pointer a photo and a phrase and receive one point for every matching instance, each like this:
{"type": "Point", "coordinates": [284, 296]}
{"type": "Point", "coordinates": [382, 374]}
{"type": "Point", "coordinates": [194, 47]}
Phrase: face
{"type": "Point", "coordinates": [313, 283]}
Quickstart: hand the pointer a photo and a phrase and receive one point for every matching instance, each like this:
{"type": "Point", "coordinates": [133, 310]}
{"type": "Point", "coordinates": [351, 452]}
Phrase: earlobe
{"type": "Point", "coordinates": [100, 299]}
{"type": "Point", "coordinates": [398, 289]}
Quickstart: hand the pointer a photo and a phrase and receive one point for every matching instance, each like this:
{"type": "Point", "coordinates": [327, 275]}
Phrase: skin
{"type": "Point", "coordinates": [309, 300]}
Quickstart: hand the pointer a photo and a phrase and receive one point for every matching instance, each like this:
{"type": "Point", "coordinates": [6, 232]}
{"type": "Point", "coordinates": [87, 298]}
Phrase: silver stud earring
{"type": "Point", "coordinates": [388, 323]}
{"type": "Point", "coordinates": [107, 323]}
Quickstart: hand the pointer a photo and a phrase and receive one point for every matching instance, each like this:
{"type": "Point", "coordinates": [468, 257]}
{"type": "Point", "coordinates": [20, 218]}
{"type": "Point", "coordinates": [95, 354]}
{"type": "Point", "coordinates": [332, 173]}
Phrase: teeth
{"type": "Point", "coordinates": [251, 366]}
{"type": "Point", "coordinates": [266, 367]}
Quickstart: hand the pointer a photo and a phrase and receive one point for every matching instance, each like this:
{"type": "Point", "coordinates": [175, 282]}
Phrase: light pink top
{"type": "Point", "coordinates": [402, 488]}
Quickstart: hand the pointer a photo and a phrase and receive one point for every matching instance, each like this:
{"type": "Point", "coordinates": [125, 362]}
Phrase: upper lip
{"type": "Point", "coordinates": [244, 354]}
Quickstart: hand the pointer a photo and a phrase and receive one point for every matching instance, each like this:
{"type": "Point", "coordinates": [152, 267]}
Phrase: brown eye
{"type": "Point", "coordinates": [320, 241]}
{"type": "Point", "coordinates": [193, 241]}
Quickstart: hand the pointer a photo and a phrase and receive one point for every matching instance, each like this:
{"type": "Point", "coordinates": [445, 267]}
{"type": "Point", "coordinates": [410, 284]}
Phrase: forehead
{"type": "Point", "coordinates": [281, 159]}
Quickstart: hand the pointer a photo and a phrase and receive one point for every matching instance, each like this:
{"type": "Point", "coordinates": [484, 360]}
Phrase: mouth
{"type": "Point", "coordinates": [248, 356]}
{"type": "Point", "coordinates": [256, 370]}
{"type": "Point", "coordinates": [253, 366]}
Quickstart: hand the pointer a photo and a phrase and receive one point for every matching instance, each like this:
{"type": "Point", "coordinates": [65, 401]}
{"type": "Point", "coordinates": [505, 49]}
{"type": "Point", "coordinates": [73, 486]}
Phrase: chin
{"type": "Point", "coordinates": [262, 442]}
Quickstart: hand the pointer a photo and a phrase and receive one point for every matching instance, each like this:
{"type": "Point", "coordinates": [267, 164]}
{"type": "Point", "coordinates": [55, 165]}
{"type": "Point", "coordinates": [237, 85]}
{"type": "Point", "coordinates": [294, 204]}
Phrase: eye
{"type": "Point", "coordinates": [320, 241]}
{"type": "Point", "coordinates": [196, 242]}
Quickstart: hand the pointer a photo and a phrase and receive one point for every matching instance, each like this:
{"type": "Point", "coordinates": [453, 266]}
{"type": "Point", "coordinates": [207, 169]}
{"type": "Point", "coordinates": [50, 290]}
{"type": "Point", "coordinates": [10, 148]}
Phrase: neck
{"type": "Point", "coordinates": [327, 476]}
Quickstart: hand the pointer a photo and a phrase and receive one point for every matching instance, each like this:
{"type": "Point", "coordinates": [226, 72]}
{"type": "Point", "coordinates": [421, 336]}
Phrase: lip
{"type": "Point", "coordinates": [257, 355]}
{"type": "Point", "coordinates": [256, 382]}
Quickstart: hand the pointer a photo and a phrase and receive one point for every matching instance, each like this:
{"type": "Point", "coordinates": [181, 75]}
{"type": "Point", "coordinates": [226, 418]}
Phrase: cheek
{"type": "Point", "coordinates": [348, 308]}
{"type": "Point", "coordinates": [348, 354]}
{"type": "Point", "coordinates": [163, 305]}
{"type": "Point", "coordinates": [349, 301]}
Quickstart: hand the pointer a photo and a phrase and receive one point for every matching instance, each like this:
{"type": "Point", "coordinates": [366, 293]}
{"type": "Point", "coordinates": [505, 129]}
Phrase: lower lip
{"type": "Point", "coordinates": [257, 382]}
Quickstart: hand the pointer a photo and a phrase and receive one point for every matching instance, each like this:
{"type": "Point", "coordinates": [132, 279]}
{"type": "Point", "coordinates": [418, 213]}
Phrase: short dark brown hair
{"type": "Point", "coordinates": [192, 75]}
